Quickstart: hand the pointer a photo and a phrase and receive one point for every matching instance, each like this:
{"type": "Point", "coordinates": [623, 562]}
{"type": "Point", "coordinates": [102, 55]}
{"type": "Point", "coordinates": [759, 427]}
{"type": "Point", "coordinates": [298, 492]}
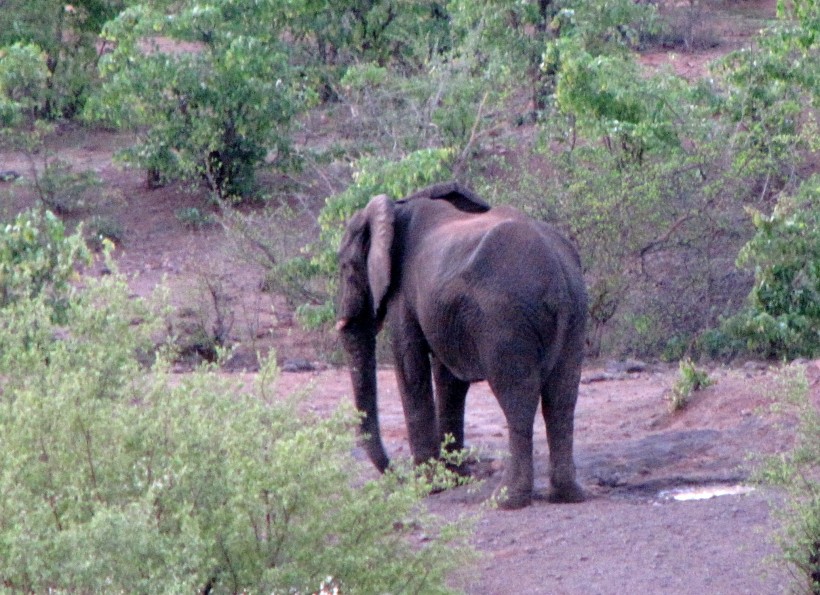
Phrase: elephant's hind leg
{"type": "Point", "coordinates": [451, 395]}
{"type": "Point", "coordinates": [517, 392]}
{"type": "Point", "coordinates": [558, 396]}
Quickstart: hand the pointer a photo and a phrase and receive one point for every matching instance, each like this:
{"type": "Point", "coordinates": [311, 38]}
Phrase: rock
{"type": "Point", "coordinates": [297, 365]}
{"type": "Point", "coordinates": [755, 366]}
{"type": "Point", "coordinates": [8, 175]}
{"type": "Point", "coordinates": [242, 360]}
{"type": "Point", "coordinates": [609, 479]}
{"type": "Point", "coordinates": [627, 366]}
{"type": "Point", "coordinates": [601, 377]}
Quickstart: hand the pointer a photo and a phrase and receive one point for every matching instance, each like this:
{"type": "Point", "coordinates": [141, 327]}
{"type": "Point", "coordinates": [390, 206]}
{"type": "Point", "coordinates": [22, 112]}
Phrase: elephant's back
{"type": "Point", "coordinates": [516, 252]}
{"type": "Point", "coordinates": [488, 280]}
{"type": "Point", "coordinates": [495, 255]}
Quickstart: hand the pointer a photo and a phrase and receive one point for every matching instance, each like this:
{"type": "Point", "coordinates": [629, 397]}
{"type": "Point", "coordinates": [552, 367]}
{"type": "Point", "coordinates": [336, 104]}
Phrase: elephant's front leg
{"type": "Point", "coordinates": [413, 376]}
{"type": "Point", "coordinates": [451, 395]}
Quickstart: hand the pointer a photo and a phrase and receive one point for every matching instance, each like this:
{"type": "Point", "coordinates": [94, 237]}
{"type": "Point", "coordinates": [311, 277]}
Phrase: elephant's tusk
{"type": "Point", "coordinates": [341, 324]}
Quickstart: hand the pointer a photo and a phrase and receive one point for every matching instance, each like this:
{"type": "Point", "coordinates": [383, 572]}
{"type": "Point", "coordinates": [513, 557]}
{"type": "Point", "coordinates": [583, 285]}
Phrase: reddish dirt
{"type": "Point", "coordinates": [628, 536]}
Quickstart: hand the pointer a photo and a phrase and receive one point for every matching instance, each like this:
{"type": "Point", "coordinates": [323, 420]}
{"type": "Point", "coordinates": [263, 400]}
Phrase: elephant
{"type": "Point", "coordinates": [470, 293]}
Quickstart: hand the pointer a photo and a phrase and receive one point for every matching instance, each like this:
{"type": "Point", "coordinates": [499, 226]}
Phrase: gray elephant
{"type": "Point", "coordinates": [470, 293]}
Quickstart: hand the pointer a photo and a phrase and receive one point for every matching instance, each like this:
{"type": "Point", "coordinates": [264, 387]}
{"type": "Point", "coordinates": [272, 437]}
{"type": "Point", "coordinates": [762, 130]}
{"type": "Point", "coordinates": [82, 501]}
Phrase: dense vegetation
{"type": "Point", "coordinates": [540, 104]}
{"type": "Point", "coordinates": [117, 477]}
{"type": "Point", "coordinates": [694, 203]}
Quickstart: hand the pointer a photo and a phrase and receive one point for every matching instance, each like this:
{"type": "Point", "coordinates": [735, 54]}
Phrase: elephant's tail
{"type": "Point", "coordinates": [557, 342]}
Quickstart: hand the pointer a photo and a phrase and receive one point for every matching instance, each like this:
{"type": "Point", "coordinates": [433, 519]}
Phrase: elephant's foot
{"type": "Point", "coordinates": [568, 493]}
{"type": "Point", "coordinates": [511, 500]}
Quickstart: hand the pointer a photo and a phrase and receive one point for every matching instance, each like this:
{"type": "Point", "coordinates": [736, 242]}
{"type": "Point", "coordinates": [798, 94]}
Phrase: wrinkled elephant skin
{"type": "Point", "coordinates": [470, 293]}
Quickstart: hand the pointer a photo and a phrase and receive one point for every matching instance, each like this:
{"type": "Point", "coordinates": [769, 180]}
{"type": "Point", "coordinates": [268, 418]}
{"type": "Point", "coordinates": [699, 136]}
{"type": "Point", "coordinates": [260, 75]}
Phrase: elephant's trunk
{"type": "Point", "coordinates": [359, 340]}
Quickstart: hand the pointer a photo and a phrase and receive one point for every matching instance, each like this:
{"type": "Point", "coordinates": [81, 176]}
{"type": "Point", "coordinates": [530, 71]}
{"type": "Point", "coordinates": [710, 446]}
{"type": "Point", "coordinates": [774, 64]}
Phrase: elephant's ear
{"type": "Point", "coordinates": [380, 213]}
{"type": "Point", "coordinates": [461, 197]}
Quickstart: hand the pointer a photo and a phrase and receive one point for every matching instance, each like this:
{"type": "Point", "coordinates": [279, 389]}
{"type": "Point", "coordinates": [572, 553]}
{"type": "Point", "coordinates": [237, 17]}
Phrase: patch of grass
{"type": "Point", "coordinates": [797, 472]}
{"type": "Point", "coordinates": [690, 380]}
{"type": "Point", "coordinates": [100, 228]}
{"type": "Point", "coordinates": [194, 218]}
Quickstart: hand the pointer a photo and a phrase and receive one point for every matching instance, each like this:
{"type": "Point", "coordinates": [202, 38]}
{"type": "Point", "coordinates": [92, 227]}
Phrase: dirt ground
{"type": "Point", "coordinates": [633, 456]}
{"type": "Point", "coordinates": [630, 536]}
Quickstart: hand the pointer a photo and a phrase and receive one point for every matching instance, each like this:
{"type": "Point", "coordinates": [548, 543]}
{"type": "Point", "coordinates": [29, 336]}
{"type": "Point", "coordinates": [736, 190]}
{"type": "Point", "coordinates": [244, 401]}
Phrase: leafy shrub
{"type": "Point", "coordinates": [121, 478]}
{"type": "Point", "coordinates": [687, 26]}
{"type": "Point", "coordinates": [54, 181]}
{"type": "Point", "coordinates": [606, 97]}
{"type": "Point", "coordinates": [38, 259]}
{"type": "Point", "coordinates": [690, 380]}
{"type": "Point", "coordinates": [770, 86]}
{"type": "Point", "coordinates": [382, 32]}
{"type": "Point", "coordinates": [23, 78]}
{"type": "Point", "coordinates": [64, 190]}
{"type": "Point", "coordinates": [194, 218]}
{"type": "Point", "coordinates": [215, 101]}
{"type": "Point", "coordinates": [796, 471]}
{"type": "Point", "coordinates": [68, 36]}
{"type": "Point", "coordinates": [100, 228]}
{"type": "Point", "coordinates": [782, 318]}
{"type": "Point", "coordinates": [604, 27]}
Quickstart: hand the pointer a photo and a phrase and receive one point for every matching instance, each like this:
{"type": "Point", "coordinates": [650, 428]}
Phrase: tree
{"type": "Point", "coordinates": [211, 85]}
{"type": "Point", "coordinates": [782, 313]}
{"type": "Point", "coordinates": [68, 35]}
{"type": "Point", "coordinates": [774, 94]}
{"type": "Point", "coordinates": [385, 32]}
{"type": "Point", "coordinates": [510, 37]}
{"type": "Point", "coordinates": [23, 80]}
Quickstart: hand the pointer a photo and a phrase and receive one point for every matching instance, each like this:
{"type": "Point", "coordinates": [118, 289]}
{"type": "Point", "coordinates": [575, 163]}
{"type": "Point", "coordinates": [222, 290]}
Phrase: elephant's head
{"type": "Point", "coordinates": [365, 252]}
{"type": "Point", "coordinates": [364, 267]}
{"type": "Point", "coordinates": [364, 263]}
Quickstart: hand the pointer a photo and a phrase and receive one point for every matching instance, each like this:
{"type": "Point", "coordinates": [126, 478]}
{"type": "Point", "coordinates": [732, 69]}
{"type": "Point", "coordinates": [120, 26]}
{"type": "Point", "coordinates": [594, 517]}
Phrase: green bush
{"type": "Point", "coordinates": [56, 184]}
{"type": "Point", "coordinates": [23, 79]}
{"type": "Point", "coordinates": [64, 190]}
{"type": "Point", "coordinates": [68, 36]}
{"type": "Point", "coordinates": [194, 218]}
{"type": "Point", "coordinates": [38, 259]}
{"type": "Point", "coordinates": [771, 89]}
{"type": "Point", "coordinates": [215, 100]}
{"type": "Point", "coordinates": [101, 228]}
{"type": "Point", "coordinates": [796, 471]}
{"type": "Point", "coordinates": [118, 478]}
{"type": "Point", "coordinates": [401, 35]}
{"type": "Point", "coordinates": [690, 380]}
{"type": "Point", "coordinates": [782, 317]}
{"type": "Point", "coordinates": [606, 97]}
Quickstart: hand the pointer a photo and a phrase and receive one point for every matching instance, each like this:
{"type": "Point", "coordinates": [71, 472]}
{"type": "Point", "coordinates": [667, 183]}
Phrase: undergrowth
{"type": "Point", "coordinates": [798, 472]}
{"type": "Point", "coordinates": [118, 476]}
